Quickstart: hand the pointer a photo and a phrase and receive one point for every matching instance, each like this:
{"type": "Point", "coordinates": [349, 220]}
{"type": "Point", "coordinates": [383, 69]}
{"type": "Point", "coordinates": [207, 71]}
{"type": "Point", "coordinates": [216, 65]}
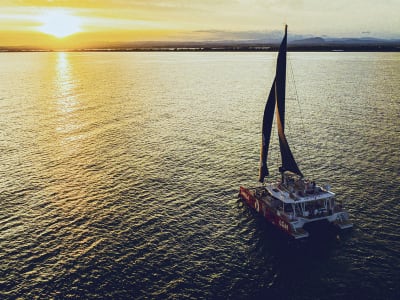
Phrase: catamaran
{"type": "Point", "coordinates": [292, 201]}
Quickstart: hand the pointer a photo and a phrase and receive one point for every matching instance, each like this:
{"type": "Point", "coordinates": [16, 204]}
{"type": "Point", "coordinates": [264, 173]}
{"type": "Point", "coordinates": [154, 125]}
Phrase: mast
{"type": "Point", "coordinates": [288, 162]}
{"type": "Point", "coordinates": [280, 77]}
{"type": "Point", "coordinates": [276, 99]}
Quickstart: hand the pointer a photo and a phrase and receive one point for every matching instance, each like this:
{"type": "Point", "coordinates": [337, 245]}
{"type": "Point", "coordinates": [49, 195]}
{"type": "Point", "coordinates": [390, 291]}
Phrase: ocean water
{"type": "Point", "coordinates": [120, 172]}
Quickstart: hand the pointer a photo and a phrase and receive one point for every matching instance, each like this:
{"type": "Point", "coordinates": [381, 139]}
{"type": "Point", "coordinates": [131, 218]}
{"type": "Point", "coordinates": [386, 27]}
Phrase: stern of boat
{"type": "Point", "coordinates": [299, 233]}
{"type": "Point", "coordinates": [342, 221]}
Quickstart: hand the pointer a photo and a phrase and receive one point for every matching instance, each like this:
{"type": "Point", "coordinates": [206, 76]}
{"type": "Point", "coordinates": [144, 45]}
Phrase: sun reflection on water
{"type": "Point", "coordinates": [65, 84]}
{"type": "Point", "coordinates": [68, 103]}
{"type": "Point", "coordinates": [74, 166]}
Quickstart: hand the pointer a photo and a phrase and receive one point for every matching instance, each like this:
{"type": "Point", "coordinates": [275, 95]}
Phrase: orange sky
{"type": "Point", "coordinates": [78, 24]}
{"type": "Point", "coordinates": [89, 23]}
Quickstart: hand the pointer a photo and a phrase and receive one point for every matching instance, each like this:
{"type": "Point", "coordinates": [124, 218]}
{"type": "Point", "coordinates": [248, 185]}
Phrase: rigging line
{"type": "Point", "coordinates": [296, 95]}
{"type": "Point", "coordinates": [298, 102]}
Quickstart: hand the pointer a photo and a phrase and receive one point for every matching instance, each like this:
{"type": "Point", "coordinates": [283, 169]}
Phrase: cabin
{"type": "Point", "coordinates": [297, 197]}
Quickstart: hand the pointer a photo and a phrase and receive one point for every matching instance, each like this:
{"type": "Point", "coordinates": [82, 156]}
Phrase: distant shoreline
{"type": "Point", "coordinates": [195, 50]}
{"type": "Point", "coordinates": [311, 44]}
{"type": "Point", "coordinates": [222, 48]}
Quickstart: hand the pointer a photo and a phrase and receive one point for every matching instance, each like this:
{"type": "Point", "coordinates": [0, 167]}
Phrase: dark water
{"type": "Point", "coordinates": [119, 175]}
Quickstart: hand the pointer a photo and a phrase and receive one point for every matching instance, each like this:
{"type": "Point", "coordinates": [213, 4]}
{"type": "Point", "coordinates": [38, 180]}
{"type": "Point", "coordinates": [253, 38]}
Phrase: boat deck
{"type": "Point", "coordinates": [274, 196]}
{"type": "Point", "coordinates": [291, 195]}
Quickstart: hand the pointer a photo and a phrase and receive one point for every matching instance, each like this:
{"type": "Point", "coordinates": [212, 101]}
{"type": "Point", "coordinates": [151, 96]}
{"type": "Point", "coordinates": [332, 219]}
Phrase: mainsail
{"type": "Point", "coordinates": [276, 99]}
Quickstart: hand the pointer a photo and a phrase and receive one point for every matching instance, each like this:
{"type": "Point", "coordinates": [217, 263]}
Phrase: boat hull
{"type": "Point", "coordinates": [271, 215]}
{"type": "Point", "coordinates": [291, 227]}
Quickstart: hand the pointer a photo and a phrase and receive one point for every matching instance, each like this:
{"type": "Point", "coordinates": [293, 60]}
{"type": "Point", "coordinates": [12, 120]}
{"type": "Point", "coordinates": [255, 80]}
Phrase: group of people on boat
{"type": "Point", "coordinates": [299, 187]}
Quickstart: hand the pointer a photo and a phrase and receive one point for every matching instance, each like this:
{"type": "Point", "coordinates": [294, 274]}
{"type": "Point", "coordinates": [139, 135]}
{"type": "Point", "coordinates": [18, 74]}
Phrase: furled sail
{"type": "Point", "coordinates": [277, 98]}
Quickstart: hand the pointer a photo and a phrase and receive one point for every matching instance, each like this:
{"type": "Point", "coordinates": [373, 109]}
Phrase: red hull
{"type": "Point", "coordinates": [263, 209]}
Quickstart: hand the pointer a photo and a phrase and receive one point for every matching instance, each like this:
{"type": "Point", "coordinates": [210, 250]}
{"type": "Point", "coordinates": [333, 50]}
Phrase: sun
{"type": "Point", "coordinates": [59, 23]}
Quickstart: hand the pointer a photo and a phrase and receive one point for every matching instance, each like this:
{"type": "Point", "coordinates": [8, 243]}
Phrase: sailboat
{"type": "Point", "coordinates": [293, 201]}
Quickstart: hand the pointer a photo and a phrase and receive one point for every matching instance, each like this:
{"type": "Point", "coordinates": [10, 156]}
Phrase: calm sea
{"type": "Point", "coordinates": [119, 175]}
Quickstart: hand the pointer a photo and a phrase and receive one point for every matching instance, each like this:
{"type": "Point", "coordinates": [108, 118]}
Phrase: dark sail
{"type": "Point", "coordinates": [288, 162]}
{"type": "Point", "coordinates": [280, 79]}
{"type": "Point", "coordinates": [266, 132]}
{"type": "Point", "coordinates": [277, 98]}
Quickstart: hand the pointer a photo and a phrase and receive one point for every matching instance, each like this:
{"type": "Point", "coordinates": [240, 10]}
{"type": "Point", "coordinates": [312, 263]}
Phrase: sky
{"type": "Point", "coordinates": [91, 23]}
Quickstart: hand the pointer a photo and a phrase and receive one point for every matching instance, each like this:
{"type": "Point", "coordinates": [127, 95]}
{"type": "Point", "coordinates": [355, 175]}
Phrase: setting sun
{"type": "Point", "coordinates": [59, 23]}
{"type": "Point", "coordinates": [105, 24]}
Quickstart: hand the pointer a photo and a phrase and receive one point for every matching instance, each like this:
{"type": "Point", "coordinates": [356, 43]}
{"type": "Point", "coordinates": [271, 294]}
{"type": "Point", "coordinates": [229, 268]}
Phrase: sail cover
{"type": "Point", "coordinates": [276, 99]}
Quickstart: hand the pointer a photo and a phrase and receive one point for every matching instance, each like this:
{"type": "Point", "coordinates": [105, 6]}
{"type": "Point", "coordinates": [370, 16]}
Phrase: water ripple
{"type": "Point", "coordinates": [120, 174]}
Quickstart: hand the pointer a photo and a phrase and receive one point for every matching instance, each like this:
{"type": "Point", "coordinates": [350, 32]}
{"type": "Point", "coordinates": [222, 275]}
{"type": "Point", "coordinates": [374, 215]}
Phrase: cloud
{"type": "Point", "coordinates": [318, 17]}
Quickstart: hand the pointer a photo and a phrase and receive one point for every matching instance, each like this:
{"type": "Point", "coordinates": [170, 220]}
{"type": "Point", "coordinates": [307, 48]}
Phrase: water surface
{"type": "Point", "coordinates": [119, 175]}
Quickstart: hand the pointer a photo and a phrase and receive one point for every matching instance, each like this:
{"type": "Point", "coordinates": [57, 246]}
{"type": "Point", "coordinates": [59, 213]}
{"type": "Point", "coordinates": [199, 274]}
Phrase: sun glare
{"type": "Point", "coordinates": [59, 23]}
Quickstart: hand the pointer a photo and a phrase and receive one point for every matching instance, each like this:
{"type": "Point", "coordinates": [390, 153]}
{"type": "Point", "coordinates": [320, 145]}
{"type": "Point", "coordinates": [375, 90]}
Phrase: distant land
{"type": "Point", "coordinates": [368, 44]}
